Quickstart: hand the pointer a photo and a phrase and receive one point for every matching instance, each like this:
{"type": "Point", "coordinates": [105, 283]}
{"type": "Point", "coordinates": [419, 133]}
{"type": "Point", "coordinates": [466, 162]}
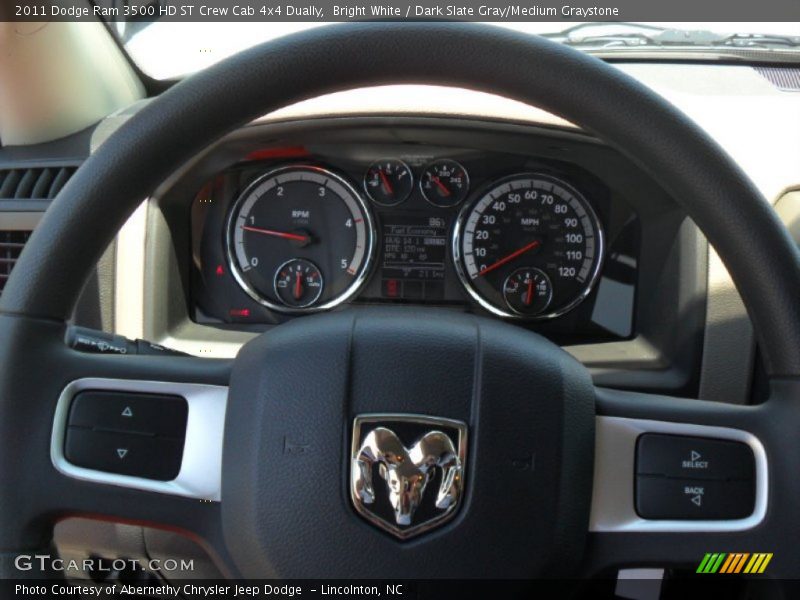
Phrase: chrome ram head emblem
{"type": "Point", "coordinates": [437, 453]}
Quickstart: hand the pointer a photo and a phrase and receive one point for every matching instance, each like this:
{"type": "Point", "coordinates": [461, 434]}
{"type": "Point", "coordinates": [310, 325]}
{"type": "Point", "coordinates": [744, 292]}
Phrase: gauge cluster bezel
{"type": "Point", "coordinates": [462, 210]}
{"type": "Point", "coordinates": [488, 168]}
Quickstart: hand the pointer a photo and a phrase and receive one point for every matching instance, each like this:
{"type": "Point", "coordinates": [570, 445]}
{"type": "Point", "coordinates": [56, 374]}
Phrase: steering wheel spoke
{"type": "Point", "coordinates": [135, 439]}
{"type": "Point", "coordinates": [676, 479]}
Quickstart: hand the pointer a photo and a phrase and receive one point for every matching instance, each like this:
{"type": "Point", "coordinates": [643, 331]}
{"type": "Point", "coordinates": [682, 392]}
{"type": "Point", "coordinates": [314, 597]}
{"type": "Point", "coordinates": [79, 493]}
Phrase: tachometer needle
{"type": "Point", "coordinates": [281, 234]}
{"type": "Point", "coordinates": [509, 258]}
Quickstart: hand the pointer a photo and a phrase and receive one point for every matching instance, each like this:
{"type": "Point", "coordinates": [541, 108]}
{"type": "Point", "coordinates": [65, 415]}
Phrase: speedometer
{"type": "Point", "coordinates": [531, 246]}
{"type": "Point", "coordinates": [300, 238]}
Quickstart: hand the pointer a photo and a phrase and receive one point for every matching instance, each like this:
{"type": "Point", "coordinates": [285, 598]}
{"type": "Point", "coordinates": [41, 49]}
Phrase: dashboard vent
{"type": "Point", "coordinates": [36, 183]}
{"type": "Point", "coordinates": [783, 78]}
{"type": "Point", "coordinates": [11, 244]}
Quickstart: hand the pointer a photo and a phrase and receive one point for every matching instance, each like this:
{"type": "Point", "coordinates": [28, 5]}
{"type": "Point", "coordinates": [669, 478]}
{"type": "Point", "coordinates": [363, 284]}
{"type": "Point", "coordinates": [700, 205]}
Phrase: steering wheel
{"type": "Point", "coordinates": [548, 477]}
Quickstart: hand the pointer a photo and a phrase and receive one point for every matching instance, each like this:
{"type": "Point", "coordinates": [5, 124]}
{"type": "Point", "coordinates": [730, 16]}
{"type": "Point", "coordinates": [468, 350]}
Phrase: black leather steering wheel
{"type": "Point", "coordinates": [288, 514]}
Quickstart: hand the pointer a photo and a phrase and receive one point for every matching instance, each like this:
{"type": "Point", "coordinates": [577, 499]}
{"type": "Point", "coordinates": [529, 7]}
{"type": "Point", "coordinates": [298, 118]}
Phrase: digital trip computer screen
{"type": "Point", "coordinates": [413, 257]}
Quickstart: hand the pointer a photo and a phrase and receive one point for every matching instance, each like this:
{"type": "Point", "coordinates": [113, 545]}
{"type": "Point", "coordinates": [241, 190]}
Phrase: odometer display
{"type": "Point", "coordinates": [307, 218]}
{"type": "Point", "coordinates": [528, 222]}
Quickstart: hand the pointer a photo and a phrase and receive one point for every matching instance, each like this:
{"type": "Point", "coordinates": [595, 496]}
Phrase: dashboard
{"type": "Point", "coordinates": [662, 315]}
{"type": "Point", "coordinates": [632, 310]}
{"type": "Point", "coordinates": [291, 230]}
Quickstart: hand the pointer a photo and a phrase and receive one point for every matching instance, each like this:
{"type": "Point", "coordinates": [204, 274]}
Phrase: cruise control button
{"type": "Point", "coordinates": [150, 414]}
{"type": "Point", "coordinates": [692, 499]}
{"type": "Point", "coordinates": [124, 453]}
{"type": "Point", "coordinates": [693, 457]}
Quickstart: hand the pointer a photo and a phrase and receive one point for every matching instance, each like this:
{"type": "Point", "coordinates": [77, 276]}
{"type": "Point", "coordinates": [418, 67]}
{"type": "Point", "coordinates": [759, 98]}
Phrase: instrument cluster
{"type": "Point", "coordinates": [517, 237]}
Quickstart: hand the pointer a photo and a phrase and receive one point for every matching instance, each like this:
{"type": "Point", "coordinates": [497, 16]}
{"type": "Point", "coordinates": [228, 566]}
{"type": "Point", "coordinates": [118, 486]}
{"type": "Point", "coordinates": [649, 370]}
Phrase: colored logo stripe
{"type": "Point", "coordinates": [711, 562]}
{"type": "Point", "coordinates": [758, 563]}
{"type": "Point", "coordinates": [734, 563]}
{"type": "Point", "coordinates": [722, 562]}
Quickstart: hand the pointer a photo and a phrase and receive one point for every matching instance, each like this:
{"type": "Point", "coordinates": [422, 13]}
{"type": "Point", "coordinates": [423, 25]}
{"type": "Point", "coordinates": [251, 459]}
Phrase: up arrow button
{"type": "Point", "coordinates": [153, 415]}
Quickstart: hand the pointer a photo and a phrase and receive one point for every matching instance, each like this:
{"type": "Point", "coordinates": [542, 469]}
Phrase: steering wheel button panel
{"type": "Point", "coordinates": [691, 499]}
{"type": "Point", "coordinates": [693, 457]}
{"type": "Point", "coordinates": [125, 453]}
{"type": "Point", "coordinates": [88, 443]}
{"type": "Point", "coordinates": [149, 414]}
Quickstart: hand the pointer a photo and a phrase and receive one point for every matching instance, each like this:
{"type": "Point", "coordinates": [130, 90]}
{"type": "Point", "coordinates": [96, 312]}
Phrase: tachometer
{"type": "Point", "coordinates": [531, 246]}
{"type": "Point", "coordinates": [295, 228]}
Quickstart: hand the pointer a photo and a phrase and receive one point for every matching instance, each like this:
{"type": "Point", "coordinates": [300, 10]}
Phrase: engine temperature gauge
{"type": "Point", "coordinates": [298, 283]}
{"type": "Point", "coordinates": [444, 183]}
{"type": "Point", "coordinates": [527, 291]}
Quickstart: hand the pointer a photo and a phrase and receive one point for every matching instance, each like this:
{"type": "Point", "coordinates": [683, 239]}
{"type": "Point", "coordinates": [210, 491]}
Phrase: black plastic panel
{"type": "Point", "coordinates": [414, 261]}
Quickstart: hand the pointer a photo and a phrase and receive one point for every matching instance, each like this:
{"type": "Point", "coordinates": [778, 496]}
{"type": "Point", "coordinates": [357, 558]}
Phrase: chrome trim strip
{"type": "Point", "coordinates": [614, 473]}
{"type": "Point", "coordinates": [201, 469]}
{"type": "Point", "coordinates": [20, 221]}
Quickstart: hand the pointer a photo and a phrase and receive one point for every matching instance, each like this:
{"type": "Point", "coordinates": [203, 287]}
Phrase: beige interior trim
{"type": "Point", "coordinates": [59, 78]}
{"type": "Point", "coordinates": [129, 276]}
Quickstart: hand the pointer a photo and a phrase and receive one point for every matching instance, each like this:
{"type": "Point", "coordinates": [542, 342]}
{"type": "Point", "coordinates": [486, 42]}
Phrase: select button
{"type": "Point", "coordinates": [693, 457]}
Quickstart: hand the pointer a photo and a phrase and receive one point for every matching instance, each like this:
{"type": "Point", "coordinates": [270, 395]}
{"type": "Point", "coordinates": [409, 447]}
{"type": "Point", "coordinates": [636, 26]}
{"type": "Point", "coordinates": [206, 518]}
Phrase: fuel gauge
{"type": "Point", "coordinates": [388, 182]}
{"type": "Point", "coordinates": [298, 283]}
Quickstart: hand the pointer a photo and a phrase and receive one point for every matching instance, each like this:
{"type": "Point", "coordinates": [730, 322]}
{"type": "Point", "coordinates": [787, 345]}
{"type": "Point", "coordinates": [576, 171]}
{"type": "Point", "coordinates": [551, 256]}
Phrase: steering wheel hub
{"type": "Point", "coordinates": [385, 405]}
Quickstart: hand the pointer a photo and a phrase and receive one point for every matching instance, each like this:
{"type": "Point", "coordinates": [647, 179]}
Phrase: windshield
{"type": "Point", "coordinates": [167, 50]}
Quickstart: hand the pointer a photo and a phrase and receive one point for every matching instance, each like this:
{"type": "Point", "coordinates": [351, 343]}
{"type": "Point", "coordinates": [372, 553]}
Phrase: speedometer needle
{"type": "Point", "coordinates": [281, 234]}
{"type": "Point", "coordinates": [509, 258]}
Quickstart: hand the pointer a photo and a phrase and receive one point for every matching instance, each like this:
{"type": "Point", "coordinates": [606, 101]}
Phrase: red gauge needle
{"type": "Point", "coordinates": [442, 187]}
{"type": "Point", "coordinates": [387, 186]}
{"type": "Point", "coordinates": [509, 258]}
{"type": "Point", "coordinates": [281, 234]}
{"type": "Point", "coordinates": [529, 294]}
{"type": "Point", "coordinates": [298, 286]}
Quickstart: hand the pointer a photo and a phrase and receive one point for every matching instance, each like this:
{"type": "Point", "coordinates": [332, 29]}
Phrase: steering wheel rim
{"type": "Point", "coordinates": [45, 285]}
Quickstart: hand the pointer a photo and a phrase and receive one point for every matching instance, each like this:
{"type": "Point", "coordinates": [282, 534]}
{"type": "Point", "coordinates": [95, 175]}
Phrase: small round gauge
{"type": "Point", "coordinates": [388, 182]}
{"type": "Point", "coordinates": [528, 291]}
{"type": "Point", "coordinates": [300, 219]}
{"type": "Point", "coordinates": [530, 246]}
{"type": "Point", "coordinates": [444, 183]}
{"type": "Point", "coordinates": [298, 283]}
